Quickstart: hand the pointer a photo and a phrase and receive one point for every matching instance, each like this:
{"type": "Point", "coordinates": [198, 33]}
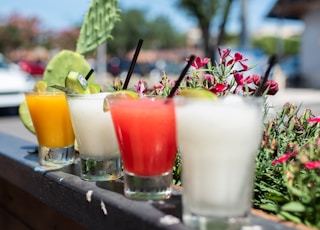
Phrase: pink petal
{"type": "Point", "coordinates": [283, 158]}
{"type": "Point", "coordinates": [312, 165]}
{"type": "Point", "coordinates": [314, 119]}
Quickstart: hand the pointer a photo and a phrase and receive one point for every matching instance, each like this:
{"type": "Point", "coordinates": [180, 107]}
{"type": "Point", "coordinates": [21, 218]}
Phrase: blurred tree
{"type": "Point", "coordinates": [163, 36]}
{"type": "Point", "coordinates": [157, 33]}
{"type": "Point", "coordinates": [205, 11]}
{"type": "Point", "coordinates": [67, 39]}
{"type": "Point", "coordinates": [290, 46]}
{"type": "Point", "coordinates": [19, 32]}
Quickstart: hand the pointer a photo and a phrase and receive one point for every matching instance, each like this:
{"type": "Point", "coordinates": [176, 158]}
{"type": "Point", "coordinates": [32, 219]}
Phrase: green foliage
{"type": "Point", "coordinates": [18, 32]}
{"type": "Point", "coordinates": [284, 183]}
{"type": "Point", "coordinates": [157, 33]}
{"type": "Point", "coordinates": [270, 44]}
{"type": "Point", "coordinates": [98, 24]}
{"type": "Point", "coordinates": [177, 168]}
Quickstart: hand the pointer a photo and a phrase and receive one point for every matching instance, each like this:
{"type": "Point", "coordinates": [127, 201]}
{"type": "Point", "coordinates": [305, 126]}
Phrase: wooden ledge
{"type": "Point", "coordinates": [91, 205]}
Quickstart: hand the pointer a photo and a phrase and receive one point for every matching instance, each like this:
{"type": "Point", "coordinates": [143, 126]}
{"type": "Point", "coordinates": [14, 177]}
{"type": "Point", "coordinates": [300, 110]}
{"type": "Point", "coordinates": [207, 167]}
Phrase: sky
{"type": "Point", "coordinates": [59, 15]}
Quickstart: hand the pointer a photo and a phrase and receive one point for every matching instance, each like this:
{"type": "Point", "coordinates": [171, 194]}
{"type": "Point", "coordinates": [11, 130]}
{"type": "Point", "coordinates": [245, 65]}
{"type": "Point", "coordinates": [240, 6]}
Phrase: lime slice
{"type": "Point", "coordinates": [118, 94]}
{"type": "Point", "coordinates": [40, 86]}
{"type": "Point", "coordinates": [25, 117]}
{"type": "Point", "coordinates": [76, 82]}
{"type": "Point", "coordinates": [197, 93]}
{"type": "Point", "coordinates": [94, 88]}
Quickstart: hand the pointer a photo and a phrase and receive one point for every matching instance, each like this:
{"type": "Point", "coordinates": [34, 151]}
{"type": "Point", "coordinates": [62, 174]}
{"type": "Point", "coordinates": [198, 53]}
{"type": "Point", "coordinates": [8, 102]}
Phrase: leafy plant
{"type": "Point", "coordinates": [288, 168]}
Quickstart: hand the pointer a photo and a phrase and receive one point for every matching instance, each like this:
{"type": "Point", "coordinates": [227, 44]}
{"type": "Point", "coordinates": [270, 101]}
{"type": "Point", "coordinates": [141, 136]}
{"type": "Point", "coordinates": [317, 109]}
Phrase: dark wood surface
{"type": "Point", "coordinates": [60, 199]}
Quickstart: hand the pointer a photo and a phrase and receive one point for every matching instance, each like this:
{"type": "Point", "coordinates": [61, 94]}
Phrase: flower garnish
{"type": "Point", "coordinates": [228, 76]}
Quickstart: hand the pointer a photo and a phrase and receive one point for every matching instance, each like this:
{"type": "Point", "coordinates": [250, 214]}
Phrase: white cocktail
{"type": "Point", "coordinates": [218, 142]}
{"type": "Point", "coordinates": [96, 139]}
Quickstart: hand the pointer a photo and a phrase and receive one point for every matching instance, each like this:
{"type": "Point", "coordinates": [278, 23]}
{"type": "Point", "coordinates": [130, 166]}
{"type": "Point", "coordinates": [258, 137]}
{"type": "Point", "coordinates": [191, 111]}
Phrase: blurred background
{"type": "Point", "coordinates": [32, 31]}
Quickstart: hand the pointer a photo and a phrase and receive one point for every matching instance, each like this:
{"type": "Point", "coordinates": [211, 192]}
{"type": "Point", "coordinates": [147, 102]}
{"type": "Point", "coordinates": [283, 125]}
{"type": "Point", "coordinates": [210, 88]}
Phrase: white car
{"type": "Point", "coordinates": [13, 84]}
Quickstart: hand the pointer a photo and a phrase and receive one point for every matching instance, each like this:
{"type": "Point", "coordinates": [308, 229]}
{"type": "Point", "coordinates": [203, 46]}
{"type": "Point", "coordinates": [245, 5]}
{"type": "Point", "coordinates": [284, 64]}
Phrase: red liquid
{"type": "Point", "coordinates": [146, 134]}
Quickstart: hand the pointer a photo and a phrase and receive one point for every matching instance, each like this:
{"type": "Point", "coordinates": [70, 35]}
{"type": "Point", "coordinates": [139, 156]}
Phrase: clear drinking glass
{"type": "Point", "coordinates": [146, 133]}
{"type": "Point", "coordinates": [95, 135]}
{"type": "Point", "coordinates": [51, 120]}
{"type": "Point", "coordinates": [218, 140]}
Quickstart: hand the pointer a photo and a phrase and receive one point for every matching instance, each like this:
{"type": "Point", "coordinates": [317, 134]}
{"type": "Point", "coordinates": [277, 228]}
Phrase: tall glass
{"type": "Point", "coordinates": [51, 120]}
{"type": "Point", "coordinates": [218, 142]}
{"type": "Point", "coordinates": [145, 129]}
{"type": "Point", "coordinates": [95, 135]}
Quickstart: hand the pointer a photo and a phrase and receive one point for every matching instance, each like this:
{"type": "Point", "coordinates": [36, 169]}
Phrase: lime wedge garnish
{"type": "Point", "coordinates": [76, 82]}
{"type": "Point", "coordinates": [197, 93]}
{"type": "Point", "coordinates": [94, 88]}
{"type": "Point", "coordinates": [40, 86]}
{"type": "Point", "coordinates": [118, 94]}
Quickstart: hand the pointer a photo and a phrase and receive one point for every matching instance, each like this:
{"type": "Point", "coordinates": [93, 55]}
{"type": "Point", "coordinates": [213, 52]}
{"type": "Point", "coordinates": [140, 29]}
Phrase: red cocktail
{"type": "Point", "coordinates": [146, 134]}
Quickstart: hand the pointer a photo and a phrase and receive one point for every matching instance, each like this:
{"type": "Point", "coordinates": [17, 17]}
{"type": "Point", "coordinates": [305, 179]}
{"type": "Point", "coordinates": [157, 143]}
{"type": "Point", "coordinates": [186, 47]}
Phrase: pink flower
{"type": "Point", "coordinates": [238, 58]}
{"type": "Point", "coordinates": [314, 119]}
{"type": "Point", "coordinates": [142, 87]}
{"type": "Point", "coordinates": [283, 158]}
{"type": "Point", "coordinates": [208, 78]}
{"type": "Point", "coordinates": [199, 63]}
{"type": "Point", "coordinates": [218, 88]}
{"type": "Point", "coordinates": [238, 78]}
{"type": "Point", "coordinates": [312, 165]}
{"type": "Point", "coordinates": [223, 53]}
{"type": "Point", "coordinates": [273, 87]}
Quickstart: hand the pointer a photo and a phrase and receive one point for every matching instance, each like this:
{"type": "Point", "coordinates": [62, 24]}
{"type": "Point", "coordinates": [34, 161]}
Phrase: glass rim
{"type": "Point", "coordinates": [93, 95]}
{"type": "Point", "coordinates": [225, 100]}
{"type": "Point", "coordinates": [45, 93]}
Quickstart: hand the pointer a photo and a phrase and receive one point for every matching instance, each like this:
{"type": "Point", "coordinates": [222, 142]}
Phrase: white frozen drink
{"type": "Point", "coordinates": [94, 131]}
{"type": "Point", "coordinates": [218, 141]}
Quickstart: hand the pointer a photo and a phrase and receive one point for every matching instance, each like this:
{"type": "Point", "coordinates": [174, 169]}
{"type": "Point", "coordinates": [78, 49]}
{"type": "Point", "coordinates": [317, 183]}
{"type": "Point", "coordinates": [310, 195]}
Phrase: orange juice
{"type": "Point", "coordinates": [50, 117]}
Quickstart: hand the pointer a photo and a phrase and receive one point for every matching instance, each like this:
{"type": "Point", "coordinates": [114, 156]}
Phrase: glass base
{"type": "Point", "coordinates": [100, 170]}
{"type": "Point", "coordinates": [147, 187]}
{"type": "Point", "coordinates": [56, 156]}
{"type": "Point", "coordinates": [204, 222]}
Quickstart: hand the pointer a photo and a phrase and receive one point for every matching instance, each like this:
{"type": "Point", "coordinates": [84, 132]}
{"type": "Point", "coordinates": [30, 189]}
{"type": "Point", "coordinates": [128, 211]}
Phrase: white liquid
{"type": "Point", "coordinates": [93, 128]}
{"type": "Point", "coordinates": [218, 143]}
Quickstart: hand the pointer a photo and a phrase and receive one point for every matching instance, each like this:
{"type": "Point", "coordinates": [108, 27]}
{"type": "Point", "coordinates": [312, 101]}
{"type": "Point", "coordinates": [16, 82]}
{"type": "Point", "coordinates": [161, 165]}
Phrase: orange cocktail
{"type": "Point", "coordinates": [51, 120]}
{"type": "Point", "coordinates": [146, 134]}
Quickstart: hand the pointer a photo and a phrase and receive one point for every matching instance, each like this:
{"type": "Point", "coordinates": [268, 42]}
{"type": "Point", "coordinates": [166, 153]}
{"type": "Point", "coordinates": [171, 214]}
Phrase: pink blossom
{"type": "Point", "coordinates": [283, 158]}
{"type": "Point", "coordinates": [199, 62]}
{"type": "Point", "coordinates": [239, 78]}
{"type": "Point", "coordinates": [141, 87]}
{"type": "Point", "coordinates": [312, 164]}
{"type": "Point", "coordinates": [218, 88]}
{"type": "Point", "coordinates": [208, 78]}
{"type": "Point", "coordinates": [273, 87]}
{"type": "Point", "coordinates": [223, 53]}
{"type": "Point", "coordinates": [314, 119]}
{"type": "Point", "coordinates": [238, 58]}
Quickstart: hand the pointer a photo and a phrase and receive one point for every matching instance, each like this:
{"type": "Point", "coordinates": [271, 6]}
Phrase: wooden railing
{"type": "Point", "coordinates": [31, 198]}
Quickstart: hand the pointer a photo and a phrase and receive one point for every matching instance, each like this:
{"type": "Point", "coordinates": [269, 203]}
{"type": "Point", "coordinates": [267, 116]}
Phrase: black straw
{"type": "Point", "coordinates": [182, 75]}
{"type": "Point", "coordinates": [133, 63]}
{"type": "Point", "coordinates": [271, 63]}
{"type": "Point", "coordinates": [89, 74]}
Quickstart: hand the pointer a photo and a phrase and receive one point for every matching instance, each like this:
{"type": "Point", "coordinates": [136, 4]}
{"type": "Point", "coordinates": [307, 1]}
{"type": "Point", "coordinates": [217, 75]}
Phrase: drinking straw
{"type": "Point", "coordinates": [182, 75]}
{"type": "Point", "coordinates": [271, 63]}
{"type": "Point", "coordinates": [89, 74]}
{"type": "Point", "coordinates": [133, 63]}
